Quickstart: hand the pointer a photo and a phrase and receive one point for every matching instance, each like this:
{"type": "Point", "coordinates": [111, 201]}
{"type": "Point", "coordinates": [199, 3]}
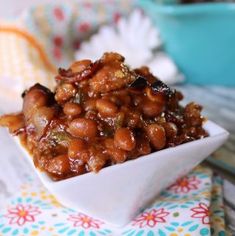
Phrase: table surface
{"type": "Point", "coordinates": [219, 106]}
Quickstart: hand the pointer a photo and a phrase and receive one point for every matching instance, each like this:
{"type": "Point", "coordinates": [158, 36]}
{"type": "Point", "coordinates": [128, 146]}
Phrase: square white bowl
{"type": "Point", "coordinates": [117, 193]}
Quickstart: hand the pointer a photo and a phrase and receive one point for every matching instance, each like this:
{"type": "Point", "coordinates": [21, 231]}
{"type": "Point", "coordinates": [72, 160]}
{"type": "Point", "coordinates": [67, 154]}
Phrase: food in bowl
{"type": "Point", "coordinates": [101, 113]}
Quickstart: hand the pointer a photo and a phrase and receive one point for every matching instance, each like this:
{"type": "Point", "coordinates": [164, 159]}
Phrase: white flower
{"type": "Point", "coordinates": [137, 40]}
{"type": "Point", "coordinates": [164, 68]}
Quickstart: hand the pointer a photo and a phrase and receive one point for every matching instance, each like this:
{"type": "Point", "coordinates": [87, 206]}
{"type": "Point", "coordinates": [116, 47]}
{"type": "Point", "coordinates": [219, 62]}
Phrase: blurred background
{"type": "Point", "coordinates": [13, 8]}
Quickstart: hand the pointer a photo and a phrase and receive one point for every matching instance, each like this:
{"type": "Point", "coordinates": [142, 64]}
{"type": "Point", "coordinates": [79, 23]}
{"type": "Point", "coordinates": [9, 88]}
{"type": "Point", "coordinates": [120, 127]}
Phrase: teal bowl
{"type": "Point", "coordinates": [199, 37]}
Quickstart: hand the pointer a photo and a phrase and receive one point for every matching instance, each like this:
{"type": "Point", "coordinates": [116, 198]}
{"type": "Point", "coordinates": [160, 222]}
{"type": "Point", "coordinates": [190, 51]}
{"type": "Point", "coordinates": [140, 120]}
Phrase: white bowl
{"type": "Point", "coordinates": [117, 193]}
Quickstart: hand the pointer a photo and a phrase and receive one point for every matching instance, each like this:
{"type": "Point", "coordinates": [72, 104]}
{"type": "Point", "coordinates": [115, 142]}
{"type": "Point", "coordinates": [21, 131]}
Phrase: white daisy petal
{"type": "Point", "coordinates": [163, 67]}
{"type": "Point", "coordinates": [137, 39]}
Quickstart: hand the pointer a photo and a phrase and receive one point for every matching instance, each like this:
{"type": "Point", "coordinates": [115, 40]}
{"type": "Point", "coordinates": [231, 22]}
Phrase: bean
{"type": "Point", "coordinates": [143, 146]}
{"type": "Point", "coordinates": [122, 97]}
{"type": "Point", "coordinates": [64, 92]}
{"type": "Point", "coordinates": [171, 129]}
{"type": "Point", "coordinates": [156, 135]}
{"type": "Point", "coordinates": [79, 66]}
{"type": "Point", "coordinates": [106, 107]}
{"type": "Point", "coordinates": [76, 146]}
{"type": "Point", "coordinates": [124, 139]}
{"type": "Point", "coordinates": [112, 98]}
{"type": "Point", "coordinates": [59, 165]}
{"type": "Point", "coordinates": [96, 162]}
{"type": "Point", "coordinates": [119, 120]}
{"type": "Point", "coordinates": [77, 167]}
{"type": "Point", "coordinates": [83, 128]}
{"type": "Point", "coordinates": [134, 119]}
{"type": "Point", "coordinates": [109, 143]}
{"type": "Point", "coordinates": [192, 114]}
{"type": "Point", "coordinates": [109, 57]}
{"type": "Point", "coordinates": [117, 155]}
{"type": "Point", "coordinates": [72, 109]}
{"type": "Point", "coordinates": [152, 109]}
{"type": "Point", "coordinates": [90, 104]}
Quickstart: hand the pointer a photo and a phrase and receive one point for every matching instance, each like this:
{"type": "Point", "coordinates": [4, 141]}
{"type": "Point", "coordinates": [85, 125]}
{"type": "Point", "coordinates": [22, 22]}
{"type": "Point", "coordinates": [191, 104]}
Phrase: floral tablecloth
{"type": "Point", "coordinates": [193, 205]}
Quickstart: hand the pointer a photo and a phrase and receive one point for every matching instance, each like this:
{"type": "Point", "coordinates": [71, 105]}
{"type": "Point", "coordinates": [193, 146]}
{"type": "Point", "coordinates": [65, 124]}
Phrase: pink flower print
{"type": "Point", "coordinates": [84, 27]}
{"type": "Point", "coordinates": [58, 41]}
{"type": "Point", "coordinates": [84, 221]}
{"type": "Point", "coordinates": [76, 44]}
{"type": "Point", "coordinates": [201, 212]}
{"type": "Point", "coordinates": [57, 53]}
{"type": "Point", "coordinates": [22, 213]}
{"type": "Point", "coordinates": [185, 184]}
{"type": "Point", "coordinates": [151, 218]}
{"type": "Point", "coordinates": [116, 17]}
{"type": "Point", "coordinates": [59, 14]}
{"type": "Point", "coordinates": [87, 4]}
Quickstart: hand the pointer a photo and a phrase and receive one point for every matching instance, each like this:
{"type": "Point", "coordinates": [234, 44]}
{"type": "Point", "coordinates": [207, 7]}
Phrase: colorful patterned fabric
{"type": "Point", "coordinates": [62, 27]}
{"type": "Point", "coordinates": [44, 38]}
{"type": "Point", "coordinates": [191, 206]}
{"type": "Point", "coordinates": [217, 208]}
{"type": "Point", "coordinates": [22, 55]}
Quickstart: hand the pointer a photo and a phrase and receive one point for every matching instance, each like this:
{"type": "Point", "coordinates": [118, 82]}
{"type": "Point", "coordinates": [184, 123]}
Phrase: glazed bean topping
{"type": "Point", "coordinates": [170, 129]}
{"type": "Point", "coordinates": [117, 155]}
{"type": "Point", "coordinates": [59, 165]}
{"type": "Point", "coordinates": [72, 109]}
{"type": "Point", "coordinates": [143, 146]}
{"type": "Point", "coordinates": [152, 109]}
{"type": "Point", "coordinates": [90, 104]}
{"type": "Point", "coordinates": [106, 107]}
{"type": "Point", "coordinates": [102, 113]}
{"type": "Point", "coordinates": [64, 92]}
{"type": "Point", "coordinates": [110, 57]}
{"type": "Point", "coordinates": [96, 163]}
{"type": "Point", "coordinates": [192, 114]}
{"type": "Point", "coordinates": [156, 135]}
{"type": "Point", "coordinates": [124, 139]}
{"type": "Point", "coordinates": [83, 128]}
{"type": "Point", "coordinates": [76, 147]}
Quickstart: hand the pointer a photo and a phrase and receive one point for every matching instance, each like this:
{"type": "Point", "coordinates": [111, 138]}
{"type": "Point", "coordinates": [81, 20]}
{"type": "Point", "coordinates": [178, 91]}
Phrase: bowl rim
{"type": "Point", "coordinates": [187, 9]}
